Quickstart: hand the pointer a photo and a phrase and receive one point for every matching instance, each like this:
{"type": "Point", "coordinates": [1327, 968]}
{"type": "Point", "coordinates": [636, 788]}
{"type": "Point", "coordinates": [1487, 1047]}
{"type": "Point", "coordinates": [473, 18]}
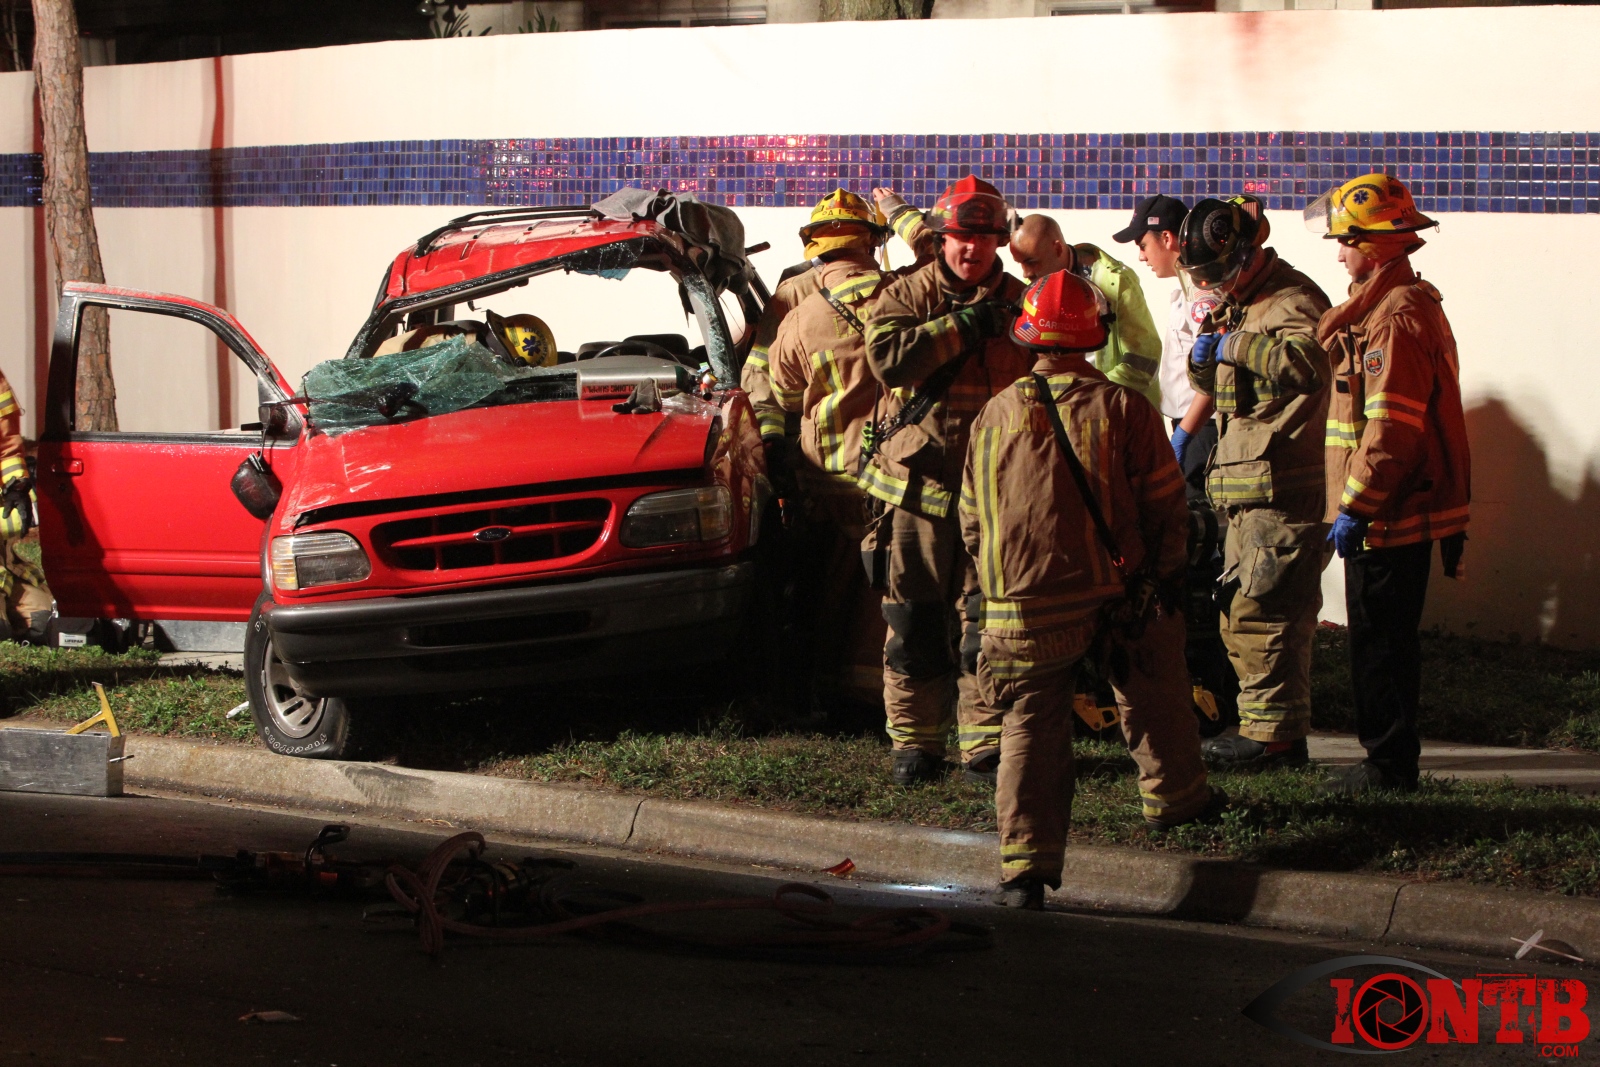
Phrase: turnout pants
{"type": "Point", "coordinates": [932, 606]}
{"type": "Point", "coordinates": [1269, 621]}
{"type": "Point", "coordinates": [1031, 687]}
{"type": "Point", "coordinates": [27, 596]}
{"type": "Point", "coordinates": [847, 627]}
{"type": "Point", "coordinates": [1384, 590]}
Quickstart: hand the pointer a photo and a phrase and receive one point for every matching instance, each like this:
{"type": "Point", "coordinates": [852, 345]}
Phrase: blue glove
{"type": "Point", "coordinates": [1347, 534]}
{"type": "Point", "coordinates": [1180, 443]}
{"type": "Point", "coordinates": [1205, 349]}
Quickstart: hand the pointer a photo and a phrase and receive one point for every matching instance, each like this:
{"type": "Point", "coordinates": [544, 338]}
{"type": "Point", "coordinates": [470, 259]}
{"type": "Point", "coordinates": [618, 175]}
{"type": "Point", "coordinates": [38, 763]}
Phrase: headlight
{"type": "Point", "coordinates": [679, 517]}
{"type": "Point", "coordinates": [304, 560]}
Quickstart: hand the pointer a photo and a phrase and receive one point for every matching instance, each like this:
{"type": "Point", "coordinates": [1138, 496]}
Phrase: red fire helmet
{"type": "Point", "coordinates": [1064, 312]}
{"type": "Point", "coordinates": [972, 205]}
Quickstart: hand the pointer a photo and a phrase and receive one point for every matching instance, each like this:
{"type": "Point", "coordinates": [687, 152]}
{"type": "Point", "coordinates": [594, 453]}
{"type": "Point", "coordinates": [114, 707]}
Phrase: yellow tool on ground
{"type": "Point", "coordinates": [105, 718]}
{"type": "Point", "coordinates": [1094, 716]}
{"type": "Point", "coordinates": [1206, 701]}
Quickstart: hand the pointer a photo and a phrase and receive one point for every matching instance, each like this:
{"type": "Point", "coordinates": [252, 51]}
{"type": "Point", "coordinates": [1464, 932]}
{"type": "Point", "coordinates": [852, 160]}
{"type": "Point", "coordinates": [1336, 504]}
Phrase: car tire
{"type": "Point", "coordinates": [289, 721]}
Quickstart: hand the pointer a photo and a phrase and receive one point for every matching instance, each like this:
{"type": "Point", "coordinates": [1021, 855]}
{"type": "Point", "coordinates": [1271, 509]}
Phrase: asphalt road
{"type": "Point", "coordinates": [159, 972]}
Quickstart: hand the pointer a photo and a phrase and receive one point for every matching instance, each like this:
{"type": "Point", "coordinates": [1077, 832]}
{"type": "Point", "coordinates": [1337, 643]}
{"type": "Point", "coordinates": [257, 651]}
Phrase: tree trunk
{"type": "Point", "coordinates": [68, 212]}
{"type": "Point", "coordinates": [866, 10]}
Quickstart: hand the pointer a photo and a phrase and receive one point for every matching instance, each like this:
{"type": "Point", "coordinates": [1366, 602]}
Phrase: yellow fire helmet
{"type": "Point", "coordinates": [1370, 204]}
{"type": "Point", "coordinates": [527, 338]}
{"type": "Point", "coordinates": [842, 205]}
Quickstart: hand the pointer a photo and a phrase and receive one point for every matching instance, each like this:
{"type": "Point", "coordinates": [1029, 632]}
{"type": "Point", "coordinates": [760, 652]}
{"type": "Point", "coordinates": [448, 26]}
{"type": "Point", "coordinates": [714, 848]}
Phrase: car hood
{"type": "Point", "coordinates": [494, 448]}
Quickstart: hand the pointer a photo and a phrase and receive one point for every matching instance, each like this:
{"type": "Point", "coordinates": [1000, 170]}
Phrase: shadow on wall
{"type": "Point", "coordinates": [1533, 553]}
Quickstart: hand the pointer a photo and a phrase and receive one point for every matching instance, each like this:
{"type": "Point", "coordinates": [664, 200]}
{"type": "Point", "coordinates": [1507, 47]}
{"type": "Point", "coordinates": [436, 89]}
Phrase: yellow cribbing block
{"type": "Point", "coordinates": [105, 718]}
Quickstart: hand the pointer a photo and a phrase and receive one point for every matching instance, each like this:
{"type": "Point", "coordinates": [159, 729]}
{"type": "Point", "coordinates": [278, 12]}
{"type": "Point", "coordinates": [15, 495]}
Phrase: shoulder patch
{"type": "Point", "coordinates": [1372, 362]}
{"type": "Point", "coordinates": [1201, 308]}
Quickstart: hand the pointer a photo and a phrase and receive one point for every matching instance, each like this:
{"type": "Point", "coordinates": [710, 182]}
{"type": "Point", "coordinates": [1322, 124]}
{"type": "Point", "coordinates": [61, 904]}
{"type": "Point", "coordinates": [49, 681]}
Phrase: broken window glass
{"type": "Point", "coordinates": [453, 375]}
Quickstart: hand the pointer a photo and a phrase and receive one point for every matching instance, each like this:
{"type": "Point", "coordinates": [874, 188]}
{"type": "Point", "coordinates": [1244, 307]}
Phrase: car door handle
{"type": "Point", "coordinates": [71, 466]}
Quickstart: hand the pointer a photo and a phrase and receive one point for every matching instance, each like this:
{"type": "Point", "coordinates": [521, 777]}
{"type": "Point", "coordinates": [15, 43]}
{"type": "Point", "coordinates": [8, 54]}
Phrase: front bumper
{"type": "Point", "coordinates": [488, 638]}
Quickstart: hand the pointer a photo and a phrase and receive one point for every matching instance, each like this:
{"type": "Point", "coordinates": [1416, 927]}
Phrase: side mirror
{"type": "Point", "coordinates": [256, 487]}
{"type": "Point", "coordinates": [274, 420]}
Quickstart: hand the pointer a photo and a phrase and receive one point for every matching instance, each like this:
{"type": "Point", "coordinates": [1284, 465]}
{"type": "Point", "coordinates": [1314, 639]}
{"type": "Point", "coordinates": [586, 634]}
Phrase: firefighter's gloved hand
{"type": "Point", "coordinates": [16, 508]}
{"type": "Point", "coordinates": [1180, 443]}
{"type": "Point", "coordinates": [1348, 534]}
{"type": "Point", "coordinates": [779, 470]}
{"type": "Point", "coordinates": [986, 318]}
{"type": "Point", "coordinates": [1205, 348]}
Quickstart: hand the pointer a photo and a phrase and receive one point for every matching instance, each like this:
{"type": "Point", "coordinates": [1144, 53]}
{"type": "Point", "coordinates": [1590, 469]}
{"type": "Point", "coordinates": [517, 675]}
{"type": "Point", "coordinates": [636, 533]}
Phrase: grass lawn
{"type": "Point", "coordinates": [146, 697]}
{"type": "Point", "coordinates": [685, 743]}
{"type": "Point", "coordinates": [1479, 692]}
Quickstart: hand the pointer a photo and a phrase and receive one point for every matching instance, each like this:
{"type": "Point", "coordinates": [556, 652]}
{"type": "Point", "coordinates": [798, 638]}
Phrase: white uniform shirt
{"type": "Point", "coordinates": [1188, 311]}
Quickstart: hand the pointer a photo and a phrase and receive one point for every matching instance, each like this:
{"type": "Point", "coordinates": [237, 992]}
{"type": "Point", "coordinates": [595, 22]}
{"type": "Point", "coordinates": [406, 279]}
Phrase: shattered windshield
{"type": "Point", "coordinates": [452, 375]}
{"type": "Point", "coordinates": [584, 328]}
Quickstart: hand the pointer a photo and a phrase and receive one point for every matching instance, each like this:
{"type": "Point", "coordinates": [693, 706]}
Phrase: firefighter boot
{"type": "Point", "coordinates": [1209, 813]}
{"type": "Point", "coordinates": [1364, 777]}
{"type": "Point", "coordinates": [1024, 892]}
{"type": "Point", "coordinates": [983, 770]}
{"type": "Point", "coordinates": [913, 765]}
{"type": "Point", "coordinates": [1232, 750]}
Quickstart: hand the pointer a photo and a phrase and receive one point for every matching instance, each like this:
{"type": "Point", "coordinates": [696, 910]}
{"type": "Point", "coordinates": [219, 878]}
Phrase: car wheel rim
{"type": "Point", "coordinates": [294, 713]}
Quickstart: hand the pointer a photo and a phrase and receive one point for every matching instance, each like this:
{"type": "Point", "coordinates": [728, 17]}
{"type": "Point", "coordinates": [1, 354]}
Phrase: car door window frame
{"type": "Point", "coordinates": [61, 398]}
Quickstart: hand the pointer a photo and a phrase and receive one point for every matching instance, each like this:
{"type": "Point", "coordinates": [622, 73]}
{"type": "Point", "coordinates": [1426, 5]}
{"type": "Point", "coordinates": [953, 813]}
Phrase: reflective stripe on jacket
{"type": "Point", "coordinates": [13, 465]}
{"type": "Point", "coordinates": [1396, 436]}
{"type": "Point", "coordinates": [1270, 383]}
{"type": "Point", "coordinates": [755, 377]}
{"type": "Point", "coordinates": [912, 333]}
{"type": "Point", "coordinates": [1041, 564]}
{"type": "Point", "coordinates": [819, 368]}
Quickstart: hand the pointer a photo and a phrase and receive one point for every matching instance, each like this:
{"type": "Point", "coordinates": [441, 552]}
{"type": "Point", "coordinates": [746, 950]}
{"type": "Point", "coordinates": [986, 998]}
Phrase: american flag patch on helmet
{"type": "Point", "coordinates": [1027, 331]}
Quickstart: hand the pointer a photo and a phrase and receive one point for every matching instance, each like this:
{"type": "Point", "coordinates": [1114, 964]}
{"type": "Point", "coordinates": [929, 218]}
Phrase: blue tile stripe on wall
{"type": "Point", "coordinates": [1447, 171]}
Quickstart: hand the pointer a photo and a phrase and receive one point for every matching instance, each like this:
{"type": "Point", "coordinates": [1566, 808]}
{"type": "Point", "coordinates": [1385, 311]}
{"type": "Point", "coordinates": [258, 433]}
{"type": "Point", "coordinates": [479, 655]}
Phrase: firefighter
{"type": "Point", "coordinates": [829, 232]}
{"type": "Point", "coordinates": [1258, 358]}
{"type": "Point", "coordinates": [28, 603]}
{"type": "Point", "coordinates": [1131, 355]}
{"type": "Point", "coordinates": [818, 368]}
{"type": "Point", "coordinates": [939, 342]}
{"type": "Point", "coordinates": [1398, 467]}
{"type": "Point", "coordinates": [1074, 509]}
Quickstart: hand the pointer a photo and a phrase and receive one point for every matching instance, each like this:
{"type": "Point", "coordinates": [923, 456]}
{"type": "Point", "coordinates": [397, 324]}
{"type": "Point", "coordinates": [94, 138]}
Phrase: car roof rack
{"type": "Point", "coordinates": [509, 214]}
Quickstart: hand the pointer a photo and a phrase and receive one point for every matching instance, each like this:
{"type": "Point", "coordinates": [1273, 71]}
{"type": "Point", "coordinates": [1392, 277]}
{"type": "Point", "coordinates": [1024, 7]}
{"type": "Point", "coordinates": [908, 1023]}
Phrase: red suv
{"type": "Point", "coordinates": [422, 537]}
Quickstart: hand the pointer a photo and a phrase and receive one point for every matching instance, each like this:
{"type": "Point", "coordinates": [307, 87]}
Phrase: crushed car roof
{"type": "Point", "coordinates": [490, 243]}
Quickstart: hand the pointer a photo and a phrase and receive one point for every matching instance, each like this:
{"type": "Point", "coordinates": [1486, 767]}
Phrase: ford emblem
{"type": "Point", "coordinates": [493, 533]}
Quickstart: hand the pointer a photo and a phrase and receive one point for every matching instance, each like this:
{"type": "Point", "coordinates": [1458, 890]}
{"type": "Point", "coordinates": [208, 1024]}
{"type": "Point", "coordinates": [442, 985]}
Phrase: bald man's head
{"type": "Point", "coordinates": [1039, 247]}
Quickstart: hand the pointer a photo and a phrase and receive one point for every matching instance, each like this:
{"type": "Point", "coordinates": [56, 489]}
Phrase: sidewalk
{"type": "Point", "coordinates": [1577, 771]}
{"type": "Point", "coordinates": [1109, 878]}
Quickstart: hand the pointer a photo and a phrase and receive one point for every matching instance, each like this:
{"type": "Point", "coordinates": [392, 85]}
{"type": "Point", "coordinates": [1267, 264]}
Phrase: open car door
{"type": "Point", "coordinates": [143, 524]}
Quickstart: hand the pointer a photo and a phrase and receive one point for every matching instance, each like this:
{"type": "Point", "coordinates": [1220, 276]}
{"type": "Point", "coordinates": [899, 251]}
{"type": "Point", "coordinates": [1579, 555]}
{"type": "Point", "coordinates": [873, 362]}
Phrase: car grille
{"type": "Point", "coordinates": [490, 537]}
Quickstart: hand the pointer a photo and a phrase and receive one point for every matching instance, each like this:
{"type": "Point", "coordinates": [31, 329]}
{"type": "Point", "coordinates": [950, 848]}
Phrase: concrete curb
{"type": "Point", "coordinates": [1122, 880]}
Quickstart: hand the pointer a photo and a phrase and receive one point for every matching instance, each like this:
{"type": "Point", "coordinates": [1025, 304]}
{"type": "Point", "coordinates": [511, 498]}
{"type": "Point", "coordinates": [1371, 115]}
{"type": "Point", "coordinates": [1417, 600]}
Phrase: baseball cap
{"type": "Point", "coordinates": [1153, 213]}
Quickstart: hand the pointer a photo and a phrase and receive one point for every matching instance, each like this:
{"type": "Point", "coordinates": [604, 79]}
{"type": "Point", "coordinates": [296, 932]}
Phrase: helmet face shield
{"type": "Point", "coordinates": [972, 206]}
{"type": "Point", "coordinates": [1319, 214]}
{"type": "Point", "coordinates": [1212, 240]}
